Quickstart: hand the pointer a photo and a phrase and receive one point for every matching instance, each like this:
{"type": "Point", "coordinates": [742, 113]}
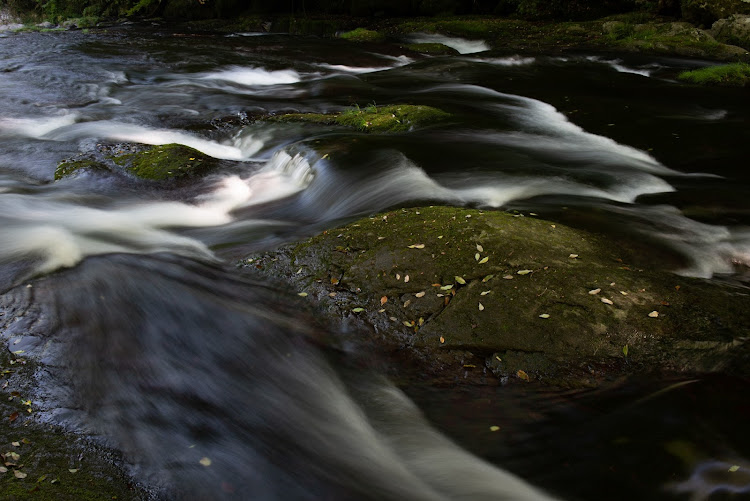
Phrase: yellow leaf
{"type": "Point", "coordinates": [383, 300]}
{"type": "Point", "coordinates": [480, 248]}
{"type": "Point", "coordinates": [302, 294]}
{"type": "Point", "coordinates": [544, 315]}
{"type": "Point", "coordinates": [357, 310]}
{"type": "Point", "coordinates": [653, 314]}
{"type": "Point", "coordinates": [446, 287]}
{"type": "Point", "coordinates": [523, 272]}
{"type": "Point", "coordinates": [421, 321]}
{"type": "Point", "coordinates": [205, 461]}
{"type": "Point", "coordinates": [494, 428]}
{"type": "Point", "coordinates": [476, 256]}
{"type": "Point", "coordinates": [488, 278]}
{"type": "Point", "coordinates": [484, 260]}
{"type": "Point", "coordinates": [406, 278]}
{"type": "Point", "coordinates": [625, 350]}
{"type": "Point", "coordinates": [73, 470]}
{"type": "Point", "coordinates": [623, 293]}
{"type": "Point", "coordinates": [606, 301]}
{"type": "Point", "coordinates": [522, 375]}
{"type": "Point", "coordinates": [420, 294]}
{"type": "Point", "coordinates": [16, 444]}
{"type": "Point", "coordinates": [408, 324]}
{"type": "Point", "coordinates": [485, 293]}
{"type": "Point", "coordinates": [481, 307]}
{"type": "Point", "coordinates": [573, 256]}
{"type": "Point", "coordinates": [734, 468]}
{"type": "Point", "coordinates": [334, 280]}
{"type": "Point", "coordinates": [460, 280]}
{"type": "Point", "coordinates": [398, 277]}
{"type": "Point", "coordinates": [594, 291]}
{"type": "Point", "coordinates": [19, 474]}
{"type": "Point", "coordinates": [508, 277]}
{"type": "Point", "coordinates": [442, 340]}
{"type": "Point", "coordinates": [417, 246]}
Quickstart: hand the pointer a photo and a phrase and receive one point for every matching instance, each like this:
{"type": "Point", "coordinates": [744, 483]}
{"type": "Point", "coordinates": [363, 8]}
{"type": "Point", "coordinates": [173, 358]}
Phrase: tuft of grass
{"type": "Point", "coordinates": [731, 75]}
{"type": "Point", "coordinates": [363, 35]}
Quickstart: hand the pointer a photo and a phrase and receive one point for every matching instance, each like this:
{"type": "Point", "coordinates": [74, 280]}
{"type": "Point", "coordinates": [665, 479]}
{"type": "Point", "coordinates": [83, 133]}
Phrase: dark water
{"type": "Point", "coordinates": [157, 339]}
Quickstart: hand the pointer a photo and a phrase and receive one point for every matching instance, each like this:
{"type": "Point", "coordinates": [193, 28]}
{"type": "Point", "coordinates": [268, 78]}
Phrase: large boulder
{"type": "Point", "coordinates": [467, 291]}
{"type": "Point", "coordinates": [734, 30]}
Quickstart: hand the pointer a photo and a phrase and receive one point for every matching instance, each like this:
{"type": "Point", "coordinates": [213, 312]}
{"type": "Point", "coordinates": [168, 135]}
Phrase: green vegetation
{"type": "Point", "coordinates": [168, 161]}
{"type": "Point", "coordinates": [732, 75]}
{"type": "Point", "coordinates": [391, 118]}
{"type": "Point", "coordinates": [434, 49]}
{"type": "Point", "coordinates": [362, 35]}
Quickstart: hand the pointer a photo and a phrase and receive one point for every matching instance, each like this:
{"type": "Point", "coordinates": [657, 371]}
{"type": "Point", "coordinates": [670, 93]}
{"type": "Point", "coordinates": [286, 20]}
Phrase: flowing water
{"type": "Point", "coordinates": [162, 348]}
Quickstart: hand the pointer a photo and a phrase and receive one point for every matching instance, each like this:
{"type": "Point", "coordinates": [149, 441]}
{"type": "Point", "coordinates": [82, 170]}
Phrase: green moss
{"type": "Point", "coordinates": [168, 161]}
{"type": "Point", "coordinates": [362, 35]}
{"type": "Point", "coordinates": [69, 167]}
{"type": "Point", "coordinates": [392, 118]}
{"type": "Point", "coordinates": [435, 49]}
{"type": "Point", "coordinates": [733, 75]}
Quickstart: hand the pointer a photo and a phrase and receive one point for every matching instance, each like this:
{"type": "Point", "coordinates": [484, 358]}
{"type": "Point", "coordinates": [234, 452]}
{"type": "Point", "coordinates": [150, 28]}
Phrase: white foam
{"type": "Point", "coordinates": [34, 127]}
{"type": "Point", "coordinates": [252, 76]}
{"type": "Point", "coordinates": [509, 61]}
{"type": "Point", "coordinates": [353, 69]}
{"type": "Point", "coordinates": [62, 233]}
{"type": "Point", "coordinates": [462, 45]}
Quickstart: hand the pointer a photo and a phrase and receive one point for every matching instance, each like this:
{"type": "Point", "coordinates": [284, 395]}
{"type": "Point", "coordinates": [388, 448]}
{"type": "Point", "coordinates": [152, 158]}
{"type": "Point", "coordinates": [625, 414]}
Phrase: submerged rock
{"type": "Point", "coordinates": [466, 290]}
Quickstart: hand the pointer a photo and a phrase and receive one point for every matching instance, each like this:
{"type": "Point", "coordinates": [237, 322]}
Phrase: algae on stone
{"type": "Point", "coordinates": [432, 48]}
{"type": "Point", "coordinates": [69, 167]}
{"type": "Point", "coordinates": [391, 118]}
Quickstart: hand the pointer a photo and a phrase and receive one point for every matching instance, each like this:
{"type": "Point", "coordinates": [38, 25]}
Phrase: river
{"type": "Point", "coordinates": [161, 346]}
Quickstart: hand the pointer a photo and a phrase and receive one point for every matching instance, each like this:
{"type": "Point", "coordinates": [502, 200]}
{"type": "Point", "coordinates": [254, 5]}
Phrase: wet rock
{"type": "Point", "coordinates": [519, 293]}
{"type": "Point", "coordinates": [432, 48]}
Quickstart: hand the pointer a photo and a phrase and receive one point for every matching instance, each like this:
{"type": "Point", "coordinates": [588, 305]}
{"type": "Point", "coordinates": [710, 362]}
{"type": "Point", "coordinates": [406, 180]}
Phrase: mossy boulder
{"type": "Point", "coordinates": [432, 48]}
{"type": "Point", "coordinates": [67, 168]}
{"type": "Point", "coordinates": [168, 161]}
{"type": "Point", "coordinates": [734, 30]}
{"type": "Point", "coordinates": [391, 118]}
{"type": "Point", "coordinates": [500, 293]}
{"type": "Point", "coordinates": [362, 35]}
{"type": "Point", "coordinates": [706, 12]}
{"type": "Point", "coordinates": [728, 75]}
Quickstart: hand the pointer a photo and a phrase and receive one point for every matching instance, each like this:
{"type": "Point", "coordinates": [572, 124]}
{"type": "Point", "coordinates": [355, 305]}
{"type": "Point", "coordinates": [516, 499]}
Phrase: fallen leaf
{"type": "Point", "coordinates": [13, 456]}
{"type": "Point", "coordinates": [398, 277]}
{"type": "Point", "coordinates": [460, 280]}
{"type": "Point", "coordinates": [508, 277]}
{"type": "Point", "coordinates": [446, 287]}
{"type": "Point", "coordinates": [3, 469]}
{"type": "Point", "coordinates": [484, 260]}
{"type": "Point", "coordinates": [623, 293]}
{"type": "Point", "coordinates": [485, 293]}
{"type": "Point", "coordinates": [13, 417]}
{"type": "Point", "coordinates": [442, 340]}
{"type": "Point", "coordinates": [73, 470]}
{"type": "Point", "coordinates": [594, 291]}
{"type": "Point", "coordinates": [488, 278]}
{"type": "Point", "coordinates": [332, 294]}
{"type": "Point", "coordinates": [417, 246]}
{"type": "Point", "coordinates": [480, 248]}
{"type": "Point", "coordinates": [408, 324]}
{"type": "Point", "coordinates": [481, 307]}
{"type": "Point", "coordinates": [476, 256]}
{"type": "Point", "coordinates": [544, 315]}
{"type": "Point", "coordinates": [523, 272]}
{"type": "Point", "coordinates": [334, 280]}
{"type": "Point", "coordinates": [407, 303]}
{"type": "Point", "coordinates": [734, 468]}
{"type": "Point", "coordinates": [19, 474]}
{"type": "Point", "coordinates": [573, 256]}
{"type": "Point", "coordinates": [42, 478]}
{"type": "Point", "coordinates": [653, 314]}
{"type": "Point", "coordinates": [302, 294]}
{"type": "Point", "coordinates": [406, 278]}
{"type": "Point", "coordinates": [522, 375]}
{"type": "Point", "coordinates": [625, 350]}
{"type": "Point", "coordinates": [383, 300]}
{"type": "Point", "coordinates": [676, 287]}
{"type": "Point", "coordinates": [420, 294]}
{"type": "Point", "coordinates": [494, 428]}
{"type": "Point", "coordinates": [381, 311]}
{"type": "Point", "coordinates": [357, 310]}
{"type": "Point", "coordinates": [606, 301]}
{"type": "Point", "coordinates": [205, 461]}
{"type": "Point", "coordinates": [16, 444]}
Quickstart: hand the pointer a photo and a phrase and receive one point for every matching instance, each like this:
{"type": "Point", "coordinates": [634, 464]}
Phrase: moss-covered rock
{"type": "Point", "coordinates": [69, 167]}
{"type": "Point", "coordinates": [514, 294]}
{"type": "Point", "coordinates": [168, 161]}
{"type": "Point", "coordinates": [730, 75]}
{"type": "Point", "coordinates": [431, 48]}
{"type": "Point", "coordinates": [734, 30]}
{"type": "Point", "coordinates": [362, 35]}
{"type": "Point", "coordinates": [706, 12]}
{"type": "Point", "coordinates": [391, 118]}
